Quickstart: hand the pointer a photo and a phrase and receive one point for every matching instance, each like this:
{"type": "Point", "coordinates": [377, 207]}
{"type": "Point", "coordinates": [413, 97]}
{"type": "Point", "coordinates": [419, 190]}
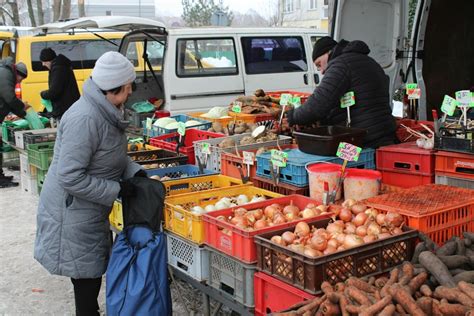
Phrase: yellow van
{"type": "Point", "coordinates": [82, 48]}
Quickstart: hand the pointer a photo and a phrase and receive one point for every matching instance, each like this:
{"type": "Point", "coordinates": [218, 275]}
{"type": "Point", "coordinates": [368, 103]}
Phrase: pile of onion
{"type": "Point", "coordinates": [355, 225]}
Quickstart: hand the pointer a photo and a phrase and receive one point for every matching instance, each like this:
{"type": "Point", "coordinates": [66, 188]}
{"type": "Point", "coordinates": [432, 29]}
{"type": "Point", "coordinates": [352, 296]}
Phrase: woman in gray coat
{"type": "Point", "coordinates": [90, 159]}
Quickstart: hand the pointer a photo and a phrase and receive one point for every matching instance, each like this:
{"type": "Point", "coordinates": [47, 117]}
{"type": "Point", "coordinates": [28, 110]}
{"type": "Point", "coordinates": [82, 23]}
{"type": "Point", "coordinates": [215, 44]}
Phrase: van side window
{"type": "Point", "coordinates": [276, 54]}
{"type": "Point", "coordinates": [206, 57]}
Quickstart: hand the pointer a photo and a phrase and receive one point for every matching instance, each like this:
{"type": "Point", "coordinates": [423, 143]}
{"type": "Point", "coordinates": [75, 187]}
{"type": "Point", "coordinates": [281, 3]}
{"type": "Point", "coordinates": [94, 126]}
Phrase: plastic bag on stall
{"type": "Point", "coordinates": [143, 107]}
{"type": "Point", "coordinates": [33, 119]}
{"type": "Point", "coordinates": [47, 105]}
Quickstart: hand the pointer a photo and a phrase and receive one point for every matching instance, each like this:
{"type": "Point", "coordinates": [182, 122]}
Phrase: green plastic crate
{"type": "Point", "coordinates": [40, 176]}
{"type": "Point", "coordinates": [40, 155]}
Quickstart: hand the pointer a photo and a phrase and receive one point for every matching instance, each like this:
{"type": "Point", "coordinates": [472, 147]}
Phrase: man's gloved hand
{"type": "Point", "coordinates": [126, 189]}
{"type": "Point", "coordinates": [141, 173]}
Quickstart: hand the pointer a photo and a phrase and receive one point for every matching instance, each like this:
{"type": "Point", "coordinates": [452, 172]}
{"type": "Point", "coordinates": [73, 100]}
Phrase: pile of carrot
{"type": "Point", "coordinates": [438, 281]}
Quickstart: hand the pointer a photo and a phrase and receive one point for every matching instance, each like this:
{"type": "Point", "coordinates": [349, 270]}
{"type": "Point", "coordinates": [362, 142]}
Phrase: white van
{"type": "Point", "coordinates": [438, 56]}
{"type": "Point", "coordinates": [198, 68]}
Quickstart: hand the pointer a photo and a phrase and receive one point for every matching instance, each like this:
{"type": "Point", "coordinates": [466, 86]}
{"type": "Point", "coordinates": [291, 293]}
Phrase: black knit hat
{"type": "Point", "coordinates": [322, 46]}
{"type": "Point", "coordinates": [47, 54]}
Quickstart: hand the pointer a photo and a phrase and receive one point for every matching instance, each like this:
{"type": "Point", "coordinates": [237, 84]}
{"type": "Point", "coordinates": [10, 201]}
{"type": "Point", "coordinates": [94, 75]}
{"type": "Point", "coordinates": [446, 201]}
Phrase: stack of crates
{"type": "Point", "coordinates": [28, 176]}
{"type": "Point", "coordinates": [456, 169]}
{"type": "Point", "coordinates": [40, 156]}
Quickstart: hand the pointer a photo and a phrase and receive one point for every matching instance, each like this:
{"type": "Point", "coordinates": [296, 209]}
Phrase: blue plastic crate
{"type": "Point", "coordinates": [295, 171]}
{"type": "Point", "coordinates": [157, 131]}
{"type": "Point", "coordinates": [180, 172]}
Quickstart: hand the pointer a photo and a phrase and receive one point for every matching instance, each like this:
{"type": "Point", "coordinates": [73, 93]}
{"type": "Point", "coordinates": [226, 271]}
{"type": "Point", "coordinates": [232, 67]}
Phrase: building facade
{"type": "Point", "coordinates": [305, 13]}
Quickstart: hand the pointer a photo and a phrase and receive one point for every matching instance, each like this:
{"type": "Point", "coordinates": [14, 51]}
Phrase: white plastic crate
{"type": "Point", "coordinates": [231, 277]}
{"type": "Point", "coordinates": [188, 257]}
{"type": "Point", "coordinates": [213, 161]}
{"type": "Point", "coordinates": [29, 184]}
{"type": "Point", "coordinates": [25, 168]}
{"type": "Point", "coordinates": [19, 140]}
{"type": "Point", "coordinates": [455, 182]}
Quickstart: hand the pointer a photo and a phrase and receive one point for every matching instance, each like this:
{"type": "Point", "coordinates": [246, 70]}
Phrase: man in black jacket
{"type": "Point", "coordinates": [348, 68]}
{"type": "Point", "coordinates": [63, 90]}
{"type": "Point", "coordinates": [10, 75]}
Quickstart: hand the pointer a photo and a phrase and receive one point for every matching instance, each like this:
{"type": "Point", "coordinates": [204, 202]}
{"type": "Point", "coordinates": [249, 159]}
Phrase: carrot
{"type": "Point", "coordinates": [377, 295]}
{"type": "Point", "coordinates": [340, 287]}
{"type": "Point", "coordinates": [437, 268]}
{"type": "Point", "coordinates": [312, 305]}
{"type": "Point", "coordinates": [371, 280]}
{"type": "Point", "coordinates": [329, 309]}
{"type": "Point", "coordinates": [361, 285]}
{"type": "Point", "coordinates": [453, 309]}
{"type": "Point", "coordinates": [377, 307]}
{"type": "Point", "coordinates": [426, 291]}
{"type": "Point", "coordinates": [426, 304]}
{"type": "Point", "coordinates": [454, 295]}
{"type": "Point", "coordinates": [343, 302]}
{"type": "Point", "coordinates": [353, 309]}
{"type": "Point", "coordinates": [402, 297]}
{"type": "Point", "coordinates": [380, 282]}
{"type": "Point", "coordinates": [393, 278]}
{"type": "Point", "coordinates": [389, 310]}
{"type": "Point", "coordinates": [454, 261]}
{"type": "Point", "coordinates": [467, 276]}
{"type": "Point", "coordinates": [467, 288]}
{"type": "Point", "coordinates": [357, 295]}
{"type": "Point", "coordinates": [400, 310]}
{"type": "Point", "coordinates": [416, 282]}
{"type": "Point", "coordinates": [435, 308]}
{"type": "Point", "coordinates": [326, 287]}
{"type": "Point", "coordinates": [407, 270]}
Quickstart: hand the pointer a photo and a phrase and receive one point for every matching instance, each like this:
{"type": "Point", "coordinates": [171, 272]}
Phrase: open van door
{"type": "Point", "coordinates": [383, 25]}
{"type": "Point", "coordinates": [6, 45]}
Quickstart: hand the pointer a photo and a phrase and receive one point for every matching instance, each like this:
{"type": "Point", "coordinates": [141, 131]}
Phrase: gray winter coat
{"type": "Point", "coordinates": [72, 237]}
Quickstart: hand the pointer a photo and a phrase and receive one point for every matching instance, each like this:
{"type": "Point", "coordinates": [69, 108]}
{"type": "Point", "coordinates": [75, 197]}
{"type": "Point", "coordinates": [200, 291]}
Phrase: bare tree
{"type": "Point", "coordinates": [56, 10]}
{"type": "Point", "coordinates": [15, 13]}
{"type": "Point", "coordinates": [82, 9]}
{"type": "Point", "coordinates": [66, 10]}
{"type": "Point", "coordinates": [31, 13]}
{"type": "Point", "coordinates": [39, 7]}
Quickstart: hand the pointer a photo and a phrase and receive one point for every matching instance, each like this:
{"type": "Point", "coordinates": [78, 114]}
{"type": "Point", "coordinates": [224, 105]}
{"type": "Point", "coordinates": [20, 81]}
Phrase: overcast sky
{"type": "Point", "coordinates": [174, 7]}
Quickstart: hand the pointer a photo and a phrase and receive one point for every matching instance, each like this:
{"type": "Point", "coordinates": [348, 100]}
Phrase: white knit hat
{"type": "Point", "coordinates": [112, 70]}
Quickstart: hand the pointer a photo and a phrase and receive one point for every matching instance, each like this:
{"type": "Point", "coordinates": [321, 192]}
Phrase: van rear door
{"type": "Point", "coordinates": [383, 25]}
{"type": "Point", "coordinates": [5, 44]}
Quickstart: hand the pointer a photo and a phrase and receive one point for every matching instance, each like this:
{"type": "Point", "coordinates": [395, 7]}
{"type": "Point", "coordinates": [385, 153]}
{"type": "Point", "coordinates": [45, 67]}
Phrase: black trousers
{"type": "Point", "coordinates": [86, 292]}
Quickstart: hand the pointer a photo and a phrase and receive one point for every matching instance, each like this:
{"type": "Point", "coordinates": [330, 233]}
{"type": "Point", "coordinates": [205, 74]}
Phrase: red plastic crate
{"type": "Point", "coordinates": [170, 141]}
{"type": "Point", "coordinates": [439, 211]}
{"type": "Point", "coordinates": [272, 295]}
{"type": "Point", "coordinates": [454, 164]}
{"type": "Point", "coordinates": [405, 180]}
{"type": "Point", "coordinates": [303, 95]}
{"type": "Point", "coordinates": [240, 243]}
{"type": "Point", "coordinates": [282, 188]}
{"type": "Point", "coordinates": [402, 134]}
{"type": "Point", "coordinates": [231, 163]}
{"type": "Point", "coordinates": [406, 158]}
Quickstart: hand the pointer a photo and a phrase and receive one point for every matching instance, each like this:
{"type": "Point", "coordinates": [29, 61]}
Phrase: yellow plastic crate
{"type": "Point", "coordinates": [195, 184]}
{"type": "Point", "coordinates": [179, 220]}
{"type": "Point", "coordinates": [116, 217]}
{"type": "Point", "coordinates": [140, 146]}
{"type": "Point", "coordinates": [224, 121]}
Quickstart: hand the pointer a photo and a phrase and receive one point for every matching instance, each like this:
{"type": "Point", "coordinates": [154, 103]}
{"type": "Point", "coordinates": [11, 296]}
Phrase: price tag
{"type": "Point", "coordinates": [296, 102]}
{"type": "Point", "coordinates": [279, 158]}
{"type": "Point", "coordinates": [237, 107]}
{"type": "Point", "coordinates": [348, 152]}
{"type": "Point", "coordinates": [181, 128]}
{"type": "Point", "coordinates": [464, 98]}
{"type": "Point", "coordinates": [149, 123]}
{"type": "Point", "coordinates": [285, 98]}
{"type": "Point", "coordinates": [249, 157]}
{"type": "Point", "coordinates": [414, 94]}
{"type": "Point", "coordinates": [410, 87]}
{"type": "Point", "coordinates": [471, 104]}
{"type": "Point", "coordinates": [206, 148]}
{"type": "Point", "coordinates": [449, 105]}
{"type": "Point", "coordinates": [348, 100]}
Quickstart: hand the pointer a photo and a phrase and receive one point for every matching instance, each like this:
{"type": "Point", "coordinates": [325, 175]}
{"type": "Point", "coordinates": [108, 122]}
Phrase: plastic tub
{"type": "Point", "coordinates": [361, 184]}
{"type": "Point", "coordinates": [319, 173]}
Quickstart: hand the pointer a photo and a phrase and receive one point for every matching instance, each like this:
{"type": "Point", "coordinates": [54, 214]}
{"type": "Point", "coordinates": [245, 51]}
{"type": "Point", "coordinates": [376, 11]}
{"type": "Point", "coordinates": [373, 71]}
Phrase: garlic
{"type": "Point", "coordinates": [242, 199]}
{"type": "Point", "coordinates": [210, 208]}
{"type": "Point", "coordinates": [221, 205]}
{"type": "Point", "coordinates": [198, 210]}
{"type": "Point", "coordinates": [257, 198]}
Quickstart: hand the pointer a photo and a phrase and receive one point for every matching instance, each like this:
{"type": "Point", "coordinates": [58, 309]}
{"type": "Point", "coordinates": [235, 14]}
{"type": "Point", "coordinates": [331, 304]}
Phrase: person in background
{"type": "Point", "coordinates": [85, 177]}
{"type": "Point", "coordinates": [62, 86]}
{"type": "Point", "coordinates": [10, 75]}
{"type": "Point", "coordinates": [347, 67]}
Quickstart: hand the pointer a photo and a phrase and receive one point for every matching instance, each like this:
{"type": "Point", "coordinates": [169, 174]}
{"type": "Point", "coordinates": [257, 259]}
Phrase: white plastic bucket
{"type": "Point", "coordinates": [320, 172]}
{"type": "Point", "coordinates": [361, 184]}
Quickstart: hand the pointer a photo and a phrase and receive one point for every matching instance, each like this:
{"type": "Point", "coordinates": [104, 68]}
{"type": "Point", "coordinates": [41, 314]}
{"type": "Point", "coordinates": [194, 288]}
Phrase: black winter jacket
{"type": "Point", "coordinates": [63, 90]}
{"type": "Point", "coordinates": [8, 100]}
{"type": "Point", "coordinates": [351, 69]}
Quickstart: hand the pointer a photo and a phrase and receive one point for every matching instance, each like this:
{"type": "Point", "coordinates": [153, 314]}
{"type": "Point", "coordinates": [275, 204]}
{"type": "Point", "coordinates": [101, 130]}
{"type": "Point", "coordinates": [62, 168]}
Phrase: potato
{"type": "Point", "coordinates": [226, 143]}
{"type": "Point", "coordinates": [217, 127]}
{"type": "Point", "coordinates": [239, 130]}
{"type": "Point", "coordinates": [247, 140]}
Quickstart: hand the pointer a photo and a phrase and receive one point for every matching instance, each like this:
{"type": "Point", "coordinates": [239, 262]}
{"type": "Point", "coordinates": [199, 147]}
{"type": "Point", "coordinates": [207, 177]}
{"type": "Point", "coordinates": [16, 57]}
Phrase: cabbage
{"type": "Point", "coordinates": [192, 123]}
{"type": "Point", "coordinates": [216, 112]}
{"type": "Point", "coordinates": [164, 121]}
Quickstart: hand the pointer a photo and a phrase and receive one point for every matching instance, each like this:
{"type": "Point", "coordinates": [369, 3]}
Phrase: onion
{"type": "Point", "coordinates": [258, 213]}
{"type": "Point", "coordinates": [319, 243]}
{"type": "Point", "coordinates": [358, 208]}
{"type": "Point", "coordinates": [278, 207]}
{"type": "Point", "coordinates": [350, 228]}
{"type": "Point", "coordinates": [345, 215]}
{"type": "Point", "coordinates": [348, 203]}
{"type": "Point", "coordinates": [240, 211]}
{"type": "Point", "coordinates": [288, 237]}
{"type": "Point", "coordinates": [340, 238]}
{"type": "Point", "coordinates": [372, 213]}
{"type": "Point", "coordinates": [278, 218]}
{"type": "Point", "coordinates": [374, 229]}
{"type": "Point", "coordinates": [250, 218]}
{"type": "Point", "coordinates": [312, 253]}
{"type": "Point", "coordinates": [291, 209]}
{"type": "Point", "coordinates": [341, 248]}
{"type": "Point", "coordinates": [369, 238]}
{"type": "Point", "coordinates": [240, 221]}
{"type": "Point", "coordinates": [361, 231]}
{"type": "Point", "coordinates": [302, 229]}
{"type": "Point", "coordinates": [384, 235]}
{"type": "Point", "coordinates": [384, 230]}
{"type": "Point", "coordinates": [359, 219]}
{"type": "Point", "coordinates": [322, 208]}
{"type": "Point", "coordinates": [261, 223]}
{"type": "Point", "coordinates": [278, 240]}
{"type": "Point", "coordinates": [322, 232]}
{"type": "Point", "coordinates": [311, 205]}
{"type": "Point", "coordinates": [308, 212]}
{"type": "Point", "coordinates": [393, 219]}
{"type": "Point", "coordinates": [297, 248]}
{"type": "Point", "coordinates": [396, 231]}
{"type": "Point", "coordinates": [380, 219]}
{"type": "Point", "coordinates": [270, 211]}
{"type": "Point", "coordinates": [334, 228]}
{"type": "Point", "coordinates": [329, 250]}
{"type": "Point", "coordinates": [333, 243]}
{"type": "Point", "coordinates": [291, 217]}
{"type": "Point", "coordinates": [352, 241]}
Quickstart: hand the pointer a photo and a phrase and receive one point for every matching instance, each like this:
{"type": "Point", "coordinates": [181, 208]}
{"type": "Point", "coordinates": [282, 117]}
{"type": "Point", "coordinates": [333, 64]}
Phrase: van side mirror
{"type": "Point", "coordinates": [316, 78]}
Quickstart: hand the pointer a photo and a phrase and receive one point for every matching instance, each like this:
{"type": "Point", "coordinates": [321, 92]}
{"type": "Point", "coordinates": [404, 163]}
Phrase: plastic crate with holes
{"type": "Point", "coordinates": [233, 278]}
{"type": "Point", "coordinates": [188, 257]}
{"type": "Point", "coordinates": [40, 177]}
{"type": "Point", "coordinates": [307, 273]}
{"type": "Point", "coordinates": [273, 295]}
{"type": "Point", "coordinates": [281, 188]}
{"type": "Point", "coordinates": [40, 155]}
{"type": "Point", "coordinates": [295, 172]}
{"type": "Point", "coordinates": [224, 121]}
{"type": "Point", "coordinates": [251, 118]}
{"type": "Point", "coordinates": [455, 165]}
{"type": "Point", "coordinates": [232, 163]}
{"type": "Point", "coordinates": [455, 139]}
{"type": "Point", "coordinates": [180, 220]}
{"type": "Point", "coordinates": [203, 125]}
{"type": "Point", "coordinates": [158, 158]}
{"type": "Point", "coordinates": [277, 94]}
{"type": "Point", "coordinates": [439, 211]}
{"type": "Point", "coordinates": [212, 161]}
{"type": "Point", "coordinates": [170, 141]}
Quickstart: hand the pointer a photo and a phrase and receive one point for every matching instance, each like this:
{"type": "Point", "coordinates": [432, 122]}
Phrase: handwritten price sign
{"type": "Point", "coordinates": [205, 148]}
{"type": "Point", "coordinates": [348, 100]}
{"type": "Point", "coordinates": [285, 98]}
{"type": "Point", "coordinates": [237, 107]}
{"type": "Point", "coordinates": [414, 94]}
{"type": "Point", "coordinates": [348, 152]}
{"type": "Point", "coordinates": [410, 87]}
{"type": "Point", "coordinates": [449, 105]}
{"type": "Point", "coordinates": [249, 157]}
{"type": "Point", "coordinates": [464, 98]}
{"type": "Point", "coordinates": [279, 158]}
